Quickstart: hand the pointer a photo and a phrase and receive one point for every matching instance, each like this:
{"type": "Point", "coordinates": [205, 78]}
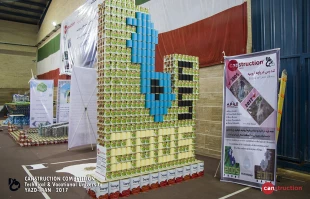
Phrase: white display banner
{"type": "Point", "coordinates": [78, 40]}
{"type": "Point", "coordinates": [249, 118]}
{"type": "Point", "coordinates": [101, 166]}
{"type": "Point", "coordinates": [83, 107]}
{"type": "Point", "coordinates": [41, 102]}
{"type": "Point", "coordinates": [63, 100]}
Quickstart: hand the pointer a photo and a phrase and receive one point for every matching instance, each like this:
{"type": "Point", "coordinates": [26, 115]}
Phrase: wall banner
{"type": "Point", "coordinates": [63, 100]}
{"type": "Point", "coordinates": [249, 118]}
{"type": "Point", "coordinates": [78, 42]}
{"type": "Point", "coordinates": [41, 102]}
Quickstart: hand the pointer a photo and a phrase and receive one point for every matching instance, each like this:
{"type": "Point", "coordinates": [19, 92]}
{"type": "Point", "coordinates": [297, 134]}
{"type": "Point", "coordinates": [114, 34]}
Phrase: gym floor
{"type": "Point", "coordinates": [15, 161]}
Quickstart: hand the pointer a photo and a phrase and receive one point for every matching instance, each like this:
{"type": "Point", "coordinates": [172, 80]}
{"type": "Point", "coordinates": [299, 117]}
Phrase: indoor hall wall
{"type": "Point", "coordinates": [57, 12]}
{"type": "Point", "coordinates": [209, 105]}
{"type": "Point", "coordinates": [17, 58]}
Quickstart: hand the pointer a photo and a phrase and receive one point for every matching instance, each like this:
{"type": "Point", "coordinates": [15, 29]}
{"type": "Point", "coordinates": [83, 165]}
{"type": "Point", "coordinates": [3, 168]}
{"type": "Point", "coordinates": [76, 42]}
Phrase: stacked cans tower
{"type": "Point", "coordinates": [145, 118]}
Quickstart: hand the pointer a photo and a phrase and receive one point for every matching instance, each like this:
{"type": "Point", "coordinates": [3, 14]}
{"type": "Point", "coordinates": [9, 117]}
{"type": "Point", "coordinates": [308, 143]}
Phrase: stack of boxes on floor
{"type": "Point", "coordinates": [146, 118]}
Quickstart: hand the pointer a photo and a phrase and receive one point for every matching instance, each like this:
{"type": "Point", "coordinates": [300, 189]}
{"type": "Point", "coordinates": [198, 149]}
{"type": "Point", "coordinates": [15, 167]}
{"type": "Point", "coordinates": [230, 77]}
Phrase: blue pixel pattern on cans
{"type": "Point", "coordinates": [158, 99]}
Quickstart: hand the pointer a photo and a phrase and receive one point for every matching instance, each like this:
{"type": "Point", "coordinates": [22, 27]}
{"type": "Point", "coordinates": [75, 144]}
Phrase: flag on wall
{"type": "Point", "coordinates": [49, 61]}
{"type": "Point", "coordinates": [202, 28]}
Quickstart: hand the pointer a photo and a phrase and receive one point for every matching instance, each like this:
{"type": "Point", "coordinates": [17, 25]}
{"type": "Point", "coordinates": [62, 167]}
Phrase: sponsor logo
{"type": "Point", "coordinates": [68, 27]}
{"type": "Point", "coordinates": [269, 62]}
{"type": "Point", "coordinates": [154, 177]}
{"type": "Point", "coordinates": [100, 152]}
{"type": "Point", "coordinates": [126, 183]}
{"type": "Point", "coordinates": [114, 186]}
{"type": "Point", "coordinates": [14, 185]}
{"type": "Point", "coordinates": [104, 189]}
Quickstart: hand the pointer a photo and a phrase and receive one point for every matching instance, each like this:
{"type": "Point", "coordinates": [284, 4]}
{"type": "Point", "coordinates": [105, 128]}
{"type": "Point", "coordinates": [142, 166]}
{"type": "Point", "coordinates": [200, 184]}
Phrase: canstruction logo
{"type": "Point", "coordinates": [269, 188]}
{"type": "Point", "coordinates": [234, 65]}
{"type": "Point", "coordinates": [68, 27]}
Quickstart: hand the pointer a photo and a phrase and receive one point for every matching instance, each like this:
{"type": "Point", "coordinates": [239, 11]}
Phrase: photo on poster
{"type": "Point", "coordinates": [41, 102]}
{"type": "Point", "coordinates": [241, 88]}
{"type": "Point", "coordinates": [265, 171]}
{"type": "Point", "coordinates": [63, 100]}
{"type": "Point", "coordinates": [231, 167]}
{"type": "Point", "coordinates": [247, 163]}
{"type": "Point", "coordinates": [260, 110]}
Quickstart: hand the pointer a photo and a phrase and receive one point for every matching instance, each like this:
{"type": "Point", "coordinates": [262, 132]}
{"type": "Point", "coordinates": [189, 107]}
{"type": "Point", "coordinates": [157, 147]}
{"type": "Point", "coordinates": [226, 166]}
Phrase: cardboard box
{"type": "Point", "coordinates": [162, 178]}
{"type": "Point", "coordinates": [201, 168]}
{"type": "Point", "coordinates": [154, 181]}
{"type": "Point", "coordinates": [171, 176]}
{"type": "Point", "coordinates": [102, 191]}
{"type": "Point", "coordinates": [135, 185]}
{"type": "Point", "coordinates": [186, 172]}
{"type": "Point", "coordinates": [179, 174]}
{"type": "Point", "coordinates": [114, 190]}
{"type": "Point", "coordinates": [124, 187]}
{"type": "Point", "coordinates": [194, 171]}
{"type": "Point", "coordinates": [145, 183]}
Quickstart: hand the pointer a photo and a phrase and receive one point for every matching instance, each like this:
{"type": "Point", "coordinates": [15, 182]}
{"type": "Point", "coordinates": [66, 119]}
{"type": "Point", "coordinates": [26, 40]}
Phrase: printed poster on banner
{"type": "Point", "coordinates": [249, 118]}
{"type": "Point", "coordinates": [41, 102]}
{"type": "Point", "coordinates": [63, 100]}
{"type": "Point", "coordinates": [78, 40]}
{"type": "Point", "coordinates": [101, 166]}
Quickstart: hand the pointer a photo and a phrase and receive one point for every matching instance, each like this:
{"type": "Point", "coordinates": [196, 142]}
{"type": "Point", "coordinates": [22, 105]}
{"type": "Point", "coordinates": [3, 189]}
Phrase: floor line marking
{"type": "Point", "coordinates": [73, 161]}
{"type": "Point", "coordinates": [36, 183]}
{"type": "Point", "coordinates": [293, 179]}
{"type": "Point", "coordinates": [235, 193]}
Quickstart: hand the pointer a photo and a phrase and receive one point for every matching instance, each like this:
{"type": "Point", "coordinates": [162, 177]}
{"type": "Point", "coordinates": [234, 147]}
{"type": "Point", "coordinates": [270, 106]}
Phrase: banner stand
{"type": "Point", "coordinates": [250, 110]}
{"type": "Point", "coordinates": [87, 117]}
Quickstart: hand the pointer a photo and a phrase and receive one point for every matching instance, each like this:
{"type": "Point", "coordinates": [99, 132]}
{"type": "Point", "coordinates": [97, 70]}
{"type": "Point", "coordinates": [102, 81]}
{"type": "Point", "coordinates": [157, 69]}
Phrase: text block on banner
{"type": "Point", "coordinates": [41, 102]}
{"type": "Point", "coordinates": [63, 100]}
{"type": "Point", "coordinates": [249, 118]}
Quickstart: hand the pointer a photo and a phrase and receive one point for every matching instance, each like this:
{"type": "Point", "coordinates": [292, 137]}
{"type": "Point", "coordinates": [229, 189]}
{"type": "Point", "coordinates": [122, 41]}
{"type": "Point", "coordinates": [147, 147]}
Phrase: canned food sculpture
{"type": "Point", "coordinates": [146, 118]}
